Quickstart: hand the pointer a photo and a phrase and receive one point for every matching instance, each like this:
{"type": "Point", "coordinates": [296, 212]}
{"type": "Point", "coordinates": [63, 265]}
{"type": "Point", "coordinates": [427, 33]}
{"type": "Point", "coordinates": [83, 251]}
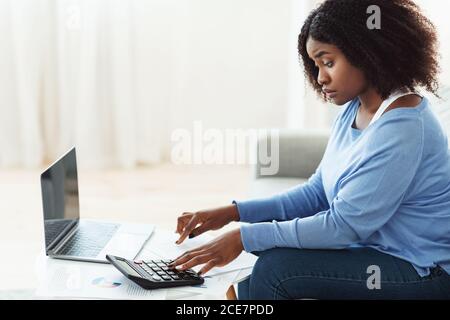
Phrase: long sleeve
{"type": "Point", "coordinates": [298, 202]}
{"type": "Point", "coordinates": [367, 197]}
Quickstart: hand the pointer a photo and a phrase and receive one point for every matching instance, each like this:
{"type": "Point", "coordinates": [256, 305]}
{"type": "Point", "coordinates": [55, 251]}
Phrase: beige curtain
{"type": "Point", "coordinates": [77, 73]}
{"type": "Point", "coordinates": [115, 77]}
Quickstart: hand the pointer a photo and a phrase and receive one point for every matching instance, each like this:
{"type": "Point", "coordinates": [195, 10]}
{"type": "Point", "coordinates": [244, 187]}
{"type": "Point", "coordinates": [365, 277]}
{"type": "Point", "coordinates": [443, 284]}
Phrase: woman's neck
{"type": "Point", "coordinates": [370, 101]}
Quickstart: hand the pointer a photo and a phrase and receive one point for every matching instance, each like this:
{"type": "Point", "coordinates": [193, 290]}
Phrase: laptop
{"type": "Point", "coordinates": [69, 237]}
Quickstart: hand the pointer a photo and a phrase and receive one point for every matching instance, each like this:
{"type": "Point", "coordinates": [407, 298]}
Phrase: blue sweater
{"type": "Point", "coordinates": [386, 187]}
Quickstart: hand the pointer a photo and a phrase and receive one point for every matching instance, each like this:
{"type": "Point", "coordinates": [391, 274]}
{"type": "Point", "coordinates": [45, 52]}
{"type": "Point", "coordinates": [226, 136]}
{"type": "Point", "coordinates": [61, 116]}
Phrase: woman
{"type": "Point", "coordinates": [378, 205]}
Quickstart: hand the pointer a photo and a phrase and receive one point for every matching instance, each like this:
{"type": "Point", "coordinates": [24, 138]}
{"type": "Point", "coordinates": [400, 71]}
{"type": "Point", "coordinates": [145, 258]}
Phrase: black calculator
{"type": "Point", "coordinates": [154, 274]}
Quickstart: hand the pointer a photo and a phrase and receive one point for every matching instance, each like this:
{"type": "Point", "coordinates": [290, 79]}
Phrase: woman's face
{"type": "Point", "coordinates": [335, 72]}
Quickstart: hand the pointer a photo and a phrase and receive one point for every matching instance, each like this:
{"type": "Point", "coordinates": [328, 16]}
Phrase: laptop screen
{"type": "Point", "coordinates": [59, 186]}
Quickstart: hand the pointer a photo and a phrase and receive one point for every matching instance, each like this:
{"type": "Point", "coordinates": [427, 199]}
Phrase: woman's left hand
{"type": "Point", "coordinates": [215, 253]}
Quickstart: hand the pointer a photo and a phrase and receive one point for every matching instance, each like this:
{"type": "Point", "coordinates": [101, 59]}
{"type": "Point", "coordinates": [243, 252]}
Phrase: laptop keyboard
{"type": "Point", "coordinates": [54, 227]}
{"type": "Point", "coordinates": [89, 239]}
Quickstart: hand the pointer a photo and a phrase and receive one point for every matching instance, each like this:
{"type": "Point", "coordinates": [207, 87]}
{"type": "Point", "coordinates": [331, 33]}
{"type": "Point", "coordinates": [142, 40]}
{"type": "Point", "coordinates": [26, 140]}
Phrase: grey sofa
{"type": "Point", "coordinates": [300, 153]}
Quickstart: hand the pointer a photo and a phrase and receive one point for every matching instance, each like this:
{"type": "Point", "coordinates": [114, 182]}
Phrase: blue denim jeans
{"type": "Point", "coordinates": [286, 273]}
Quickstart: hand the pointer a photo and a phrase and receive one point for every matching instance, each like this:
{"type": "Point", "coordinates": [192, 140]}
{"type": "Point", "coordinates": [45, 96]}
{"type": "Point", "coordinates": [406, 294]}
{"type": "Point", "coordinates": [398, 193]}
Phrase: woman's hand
{"type": "Point", "coordinates": [212, 219]}
{"type": "Point", "coordinates": [216, 253]}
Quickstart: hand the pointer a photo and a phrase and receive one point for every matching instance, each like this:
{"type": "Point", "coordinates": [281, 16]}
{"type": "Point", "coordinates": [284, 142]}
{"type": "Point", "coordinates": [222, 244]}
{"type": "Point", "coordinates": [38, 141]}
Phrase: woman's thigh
{"type": "Point", "coordinates": [358, 273]}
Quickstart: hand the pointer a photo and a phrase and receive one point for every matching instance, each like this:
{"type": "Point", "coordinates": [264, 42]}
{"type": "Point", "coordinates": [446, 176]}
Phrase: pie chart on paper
{"type": "Point", "coordinates": [103, 282]}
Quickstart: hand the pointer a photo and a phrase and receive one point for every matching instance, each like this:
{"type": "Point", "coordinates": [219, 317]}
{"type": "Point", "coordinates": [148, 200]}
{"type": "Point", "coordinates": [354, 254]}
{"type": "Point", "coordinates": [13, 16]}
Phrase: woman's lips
{"type": "Point", "coordinates": [331, 94]}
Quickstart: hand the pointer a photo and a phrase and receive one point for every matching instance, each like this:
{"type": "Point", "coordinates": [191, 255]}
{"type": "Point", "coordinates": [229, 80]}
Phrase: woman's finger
{"type": "Point", "coordinates": [208, 266]}
{"type": "Point", "coordinates": [199, 230]}
{"type": "Point", "coordinates": [182, 221]}
{"type": "Point", "coordinates": [186, 256]}
{"type": "Point", "coordinates": [180, 256]}
{"type": "Point", "coordinates": [194, 261]}
{"type": "Point", "coordinates": [187, 230]}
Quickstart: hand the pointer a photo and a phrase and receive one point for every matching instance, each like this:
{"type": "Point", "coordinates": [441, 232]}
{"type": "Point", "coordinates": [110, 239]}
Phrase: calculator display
{"type": "Point", "coordinates": [129, 269]}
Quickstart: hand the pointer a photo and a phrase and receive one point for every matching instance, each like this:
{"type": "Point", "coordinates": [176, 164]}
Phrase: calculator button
{"type": "Point", "coordinates": [174, 276]}
{"type": "Point", "coordinates": [138, 261]}
{"type": "Point", "coordinates": [156, 277]}
{"type": "Point", "coordinates": [166, 277]}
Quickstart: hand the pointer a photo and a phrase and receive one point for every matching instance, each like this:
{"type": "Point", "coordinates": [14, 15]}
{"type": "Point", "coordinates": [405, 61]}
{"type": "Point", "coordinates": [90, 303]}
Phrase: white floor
{"type": "Point", "coordinates": [151, 195]}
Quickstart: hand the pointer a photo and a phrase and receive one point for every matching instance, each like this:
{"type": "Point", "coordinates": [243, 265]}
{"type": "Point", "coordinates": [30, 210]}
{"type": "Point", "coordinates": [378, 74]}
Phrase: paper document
{"type": "Point", "coordinates": [74, 279]}
{"type": "Point", "coordinates": [243, 274]}
{"type": "Point", "coordinates": [213, 285]}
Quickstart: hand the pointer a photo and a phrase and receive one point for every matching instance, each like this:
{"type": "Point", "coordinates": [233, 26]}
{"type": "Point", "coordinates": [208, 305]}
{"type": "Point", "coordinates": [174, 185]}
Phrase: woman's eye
{"type": "Point", "coordinates": [329, 65]}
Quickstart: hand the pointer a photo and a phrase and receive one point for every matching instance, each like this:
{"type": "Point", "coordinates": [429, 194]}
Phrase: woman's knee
{"type": "Point", "coordinates": [265, 279]}
{"type": "Point", "coordinates": [243, 288]}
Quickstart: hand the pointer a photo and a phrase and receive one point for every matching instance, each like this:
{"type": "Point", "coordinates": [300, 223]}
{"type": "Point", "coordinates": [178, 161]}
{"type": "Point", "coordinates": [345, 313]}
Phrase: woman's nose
{"type": "Point", "coordinates": [322, 78]}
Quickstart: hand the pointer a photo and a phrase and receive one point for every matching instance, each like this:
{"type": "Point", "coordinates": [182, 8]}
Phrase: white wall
{"type": "Point", "coordinates": [227, 64]}
{"type": "Point", "coordinates": [437, 11]}
{"type": "Point", "coordinates": [230, 66]}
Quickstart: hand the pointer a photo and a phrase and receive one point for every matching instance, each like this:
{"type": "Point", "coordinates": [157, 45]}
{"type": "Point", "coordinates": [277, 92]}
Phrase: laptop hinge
{"type": "Point", "coordinates": [59, 243]}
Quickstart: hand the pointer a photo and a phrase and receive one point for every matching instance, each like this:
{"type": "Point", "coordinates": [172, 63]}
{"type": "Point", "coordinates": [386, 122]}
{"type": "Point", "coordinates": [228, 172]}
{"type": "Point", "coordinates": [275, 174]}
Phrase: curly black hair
{"type": "Point", "coordinates": [402, 53]}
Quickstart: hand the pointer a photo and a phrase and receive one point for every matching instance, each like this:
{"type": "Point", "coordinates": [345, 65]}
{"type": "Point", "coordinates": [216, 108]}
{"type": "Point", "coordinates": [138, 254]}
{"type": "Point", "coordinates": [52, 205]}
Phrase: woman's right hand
{"type": "Point", "coordinates": [211, 219]}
